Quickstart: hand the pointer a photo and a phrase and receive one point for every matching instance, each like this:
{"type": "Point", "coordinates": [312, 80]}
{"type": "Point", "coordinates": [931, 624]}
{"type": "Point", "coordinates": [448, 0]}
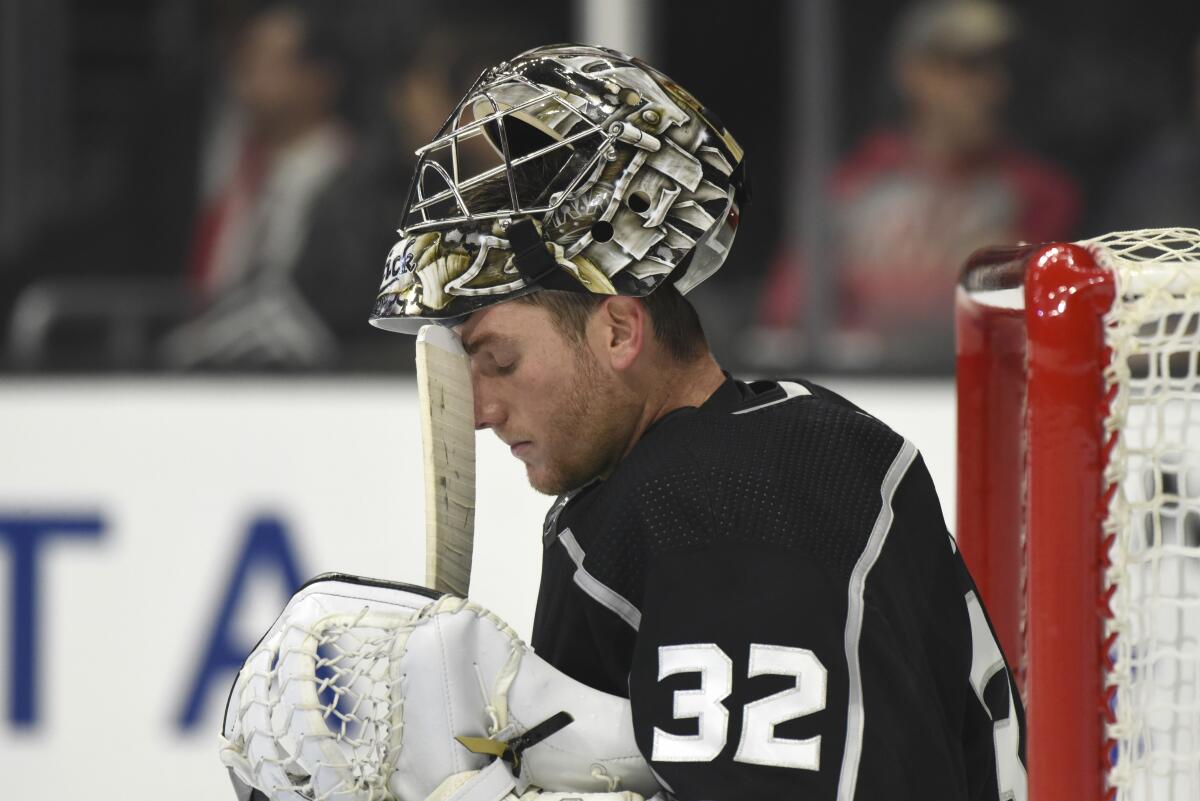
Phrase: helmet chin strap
{"type": "Point", "coordinates": [534, 262]}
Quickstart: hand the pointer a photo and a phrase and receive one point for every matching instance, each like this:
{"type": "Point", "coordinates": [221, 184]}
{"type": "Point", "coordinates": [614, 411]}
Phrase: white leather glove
{"type": "Point", "coordinates": [360, 689]}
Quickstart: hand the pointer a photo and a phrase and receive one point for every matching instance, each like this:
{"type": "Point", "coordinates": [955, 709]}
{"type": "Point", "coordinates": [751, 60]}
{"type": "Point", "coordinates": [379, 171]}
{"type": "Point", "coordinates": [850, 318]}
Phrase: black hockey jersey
{"type": "Point", "coordinates": [768, 578]}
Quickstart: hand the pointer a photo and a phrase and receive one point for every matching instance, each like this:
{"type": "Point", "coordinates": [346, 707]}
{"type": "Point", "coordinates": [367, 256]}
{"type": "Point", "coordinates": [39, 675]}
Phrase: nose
{"type": "Point", "coordinates": [489, 411]}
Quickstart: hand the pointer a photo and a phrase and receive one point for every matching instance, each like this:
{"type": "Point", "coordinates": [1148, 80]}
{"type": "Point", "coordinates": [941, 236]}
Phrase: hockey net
{"type": "Point", "coordinates": [1153, 518]}
{"type": "Point", "coordinates": [1079, 499]}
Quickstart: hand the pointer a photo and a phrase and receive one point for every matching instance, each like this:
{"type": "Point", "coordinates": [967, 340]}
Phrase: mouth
{"type": "Point", "coordinates": [519, 448]}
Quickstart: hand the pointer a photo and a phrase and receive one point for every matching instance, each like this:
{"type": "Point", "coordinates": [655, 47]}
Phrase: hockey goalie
{"type": "Point", "coordinates": [748, 590]}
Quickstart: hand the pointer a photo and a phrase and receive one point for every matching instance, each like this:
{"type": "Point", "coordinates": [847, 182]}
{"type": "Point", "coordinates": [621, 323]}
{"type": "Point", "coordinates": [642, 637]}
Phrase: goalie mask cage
{"type": "Point", "coordinates": [1079, 501]}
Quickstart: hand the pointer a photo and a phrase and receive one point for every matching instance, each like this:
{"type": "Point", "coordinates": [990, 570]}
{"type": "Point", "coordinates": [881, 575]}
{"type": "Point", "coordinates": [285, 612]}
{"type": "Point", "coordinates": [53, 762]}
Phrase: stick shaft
{"type": "Point", "coordinates": [448, 443]}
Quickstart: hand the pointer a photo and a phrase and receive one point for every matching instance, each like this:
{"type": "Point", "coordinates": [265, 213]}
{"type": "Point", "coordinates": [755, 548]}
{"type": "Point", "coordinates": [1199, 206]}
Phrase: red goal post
{"type": "Point", "coordinates": [1078, 371]}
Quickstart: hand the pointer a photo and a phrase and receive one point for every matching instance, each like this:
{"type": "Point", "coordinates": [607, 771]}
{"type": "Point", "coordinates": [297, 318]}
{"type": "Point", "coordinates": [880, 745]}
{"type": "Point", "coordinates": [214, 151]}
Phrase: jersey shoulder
{"type": "Point", "coordinates": [792, 466]}
{"type": "Point", "coordinates": [780, 428]}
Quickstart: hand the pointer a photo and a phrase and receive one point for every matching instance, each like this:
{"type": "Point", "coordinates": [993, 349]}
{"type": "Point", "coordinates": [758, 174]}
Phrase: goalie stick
{"type": "Point", "coordinates": [448, 443]}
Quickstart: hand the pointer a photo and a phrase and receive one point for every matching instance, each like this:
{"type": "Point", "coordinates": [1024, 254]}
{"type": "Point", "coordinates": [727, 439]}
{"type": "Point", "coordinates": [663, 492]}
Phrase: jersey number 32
{"type": "Point", "coordinates": [758, 745]}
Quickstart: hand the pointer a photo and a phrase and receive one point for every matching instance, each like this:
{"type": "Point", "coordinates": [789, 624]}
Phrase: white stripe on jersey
{"type": "Point", "coordinates": [790, 390]}
{"type": "Point", "coordinates": [601, 593]}
{"type": "Point", "coordinates": [855, 713]}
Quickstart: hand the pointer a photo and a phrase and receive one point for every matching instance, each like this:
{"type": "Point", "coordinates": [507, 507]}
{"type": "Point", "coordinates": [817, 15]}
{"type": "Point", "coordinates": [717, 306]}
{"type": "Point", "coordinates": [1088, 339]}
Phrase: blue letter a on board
{"type": "Point", "coordinates": [267, 555]}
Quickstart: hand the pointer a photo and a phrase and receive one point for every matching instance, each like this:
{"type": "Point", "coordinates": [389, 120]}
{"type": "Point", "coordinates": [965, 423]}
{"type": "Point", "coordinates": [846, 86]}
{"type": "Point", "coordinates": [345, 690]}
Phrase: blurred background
{"type": "Point", "coordinates": [213, 186]}
{"type": "Point", "coordinates": [196, 199]}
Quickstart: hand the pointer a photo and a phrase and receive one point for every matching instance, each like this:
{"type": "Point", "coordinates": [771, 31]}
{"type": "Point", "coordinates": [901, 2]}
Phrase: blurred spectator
{"type": "Point", "coordinates": [274, 151]}
{"type": "Point", "coordinates": [909, 204]}
{"type": "Point", "coordinates": [1161, 188]}
{"type": "Point", "coordinates": [203, 159]}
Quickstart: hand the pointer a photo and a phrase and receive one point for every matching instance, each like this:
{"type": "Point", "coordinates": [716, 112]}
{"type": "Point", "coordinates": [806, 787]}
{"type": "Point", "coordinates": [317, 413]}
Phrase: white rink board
{"type": "Point", "coordinates": [174, 471]}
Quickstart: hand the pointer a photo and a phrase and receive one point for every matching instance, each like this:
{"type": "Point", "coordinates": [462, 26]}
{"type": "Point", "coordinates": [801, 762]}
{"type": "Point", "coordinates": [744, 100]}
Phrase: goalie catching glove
{"type": "Point", "coordinates": [368, 691]}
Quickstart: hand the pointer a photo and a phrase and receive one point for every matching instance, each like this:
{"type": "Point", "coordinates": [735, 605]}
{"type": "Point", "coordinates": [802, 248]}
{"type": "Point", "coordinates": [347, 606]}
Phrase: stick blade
{"type": "Point", "coordinates": [448, 443]}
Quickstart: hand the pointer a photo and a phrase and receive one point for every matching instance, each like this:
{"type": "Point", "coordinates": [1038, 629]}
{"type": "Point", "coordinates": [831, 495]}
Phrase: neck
{"type": "Point", "coordinates": [676, 387]}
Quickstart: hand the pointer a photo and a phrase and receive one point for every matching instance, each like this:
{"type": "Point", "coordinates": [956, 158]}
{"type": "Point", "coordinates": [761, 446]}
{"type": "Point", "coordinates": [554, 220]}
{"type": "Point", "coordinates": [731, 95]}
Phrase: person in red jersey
{"type": "Point", "coordinates": [911, 203]}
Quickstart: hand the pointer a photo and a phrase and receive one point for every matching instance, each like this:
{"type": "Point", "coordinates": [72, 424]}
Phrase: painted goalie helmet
{"type": "Point", "coordinates": [604, 176]}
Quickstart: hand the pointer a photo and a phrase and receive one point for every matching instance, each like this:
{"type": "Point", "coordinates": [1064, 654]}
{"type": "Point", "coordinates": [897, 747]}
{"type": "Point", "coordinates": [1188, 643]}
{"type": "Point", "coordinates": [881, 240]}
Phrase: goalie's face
{"type": "Point", "coordinates": [559, 404]}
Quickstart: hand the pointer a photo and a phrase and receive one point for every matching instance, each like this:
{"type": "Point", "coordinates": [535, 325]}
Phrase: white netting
{"type": "Point", "coordinates": [365, 691]}
{"type": "Point", "coordinates": [1153, 330]}
{"type": "Point", "coordinates": [320, 712]}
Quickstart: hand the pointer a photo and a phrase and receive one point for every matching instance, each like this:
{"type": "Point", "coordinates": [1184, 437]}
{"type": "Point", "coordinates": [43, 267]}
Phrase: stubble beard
{"type": "Point", "coordinates": [589, 430]}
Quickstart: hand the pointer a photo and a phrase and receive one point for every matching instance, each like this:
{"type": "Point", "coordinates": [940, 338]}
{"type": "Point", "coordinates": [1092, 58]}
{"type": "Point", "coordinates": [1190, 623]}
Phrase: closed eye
{"type": "Point", "coordinates": [487, 364]}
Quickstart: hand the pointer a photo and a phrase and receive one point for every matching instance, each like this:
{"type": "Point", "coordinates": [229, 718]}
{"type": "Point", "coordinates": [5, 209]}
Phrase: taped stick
{"type": "Point", "coordinates": [448, 443]}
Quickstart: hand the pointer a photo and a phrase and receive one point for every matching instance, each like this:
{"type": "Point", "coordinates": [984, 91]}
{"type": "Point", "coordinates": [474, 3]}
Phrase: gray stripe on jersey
{"type": "Point", "coordinates": [600, 593]}
{"type": "Point", "coordinates": [856, 713]}
{"type": "Point", "coordinates": [790, 390]}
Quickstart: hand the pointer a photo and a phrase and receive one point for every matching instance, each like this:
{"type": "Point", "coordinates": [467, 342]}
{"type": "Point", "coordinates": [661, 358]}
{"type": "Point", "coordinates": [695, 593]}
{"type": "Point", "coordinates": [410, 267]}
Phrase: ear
{"type": "Point", "coordinates": [623, 325]}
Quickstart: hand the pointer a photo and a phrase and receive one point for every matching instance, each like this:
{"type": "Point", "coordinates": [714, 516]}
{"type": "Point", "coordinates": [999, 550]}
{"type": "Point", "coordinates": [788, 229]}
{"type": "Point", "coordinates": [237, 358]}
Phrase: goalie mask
{"type": "Point", "coordinates": [608, 178]}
